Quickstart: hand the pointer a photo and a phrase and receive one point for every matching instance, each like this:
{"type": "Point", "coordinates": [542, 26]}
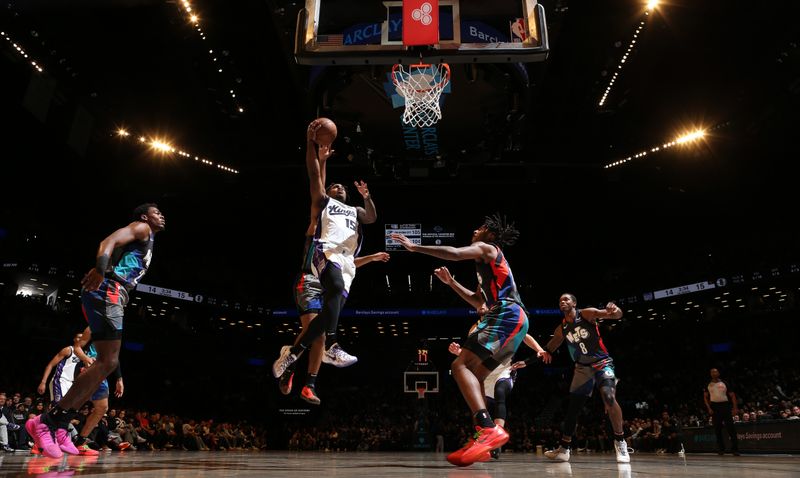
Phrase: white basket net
{"type": "Point", "coordinates": [421, 87]}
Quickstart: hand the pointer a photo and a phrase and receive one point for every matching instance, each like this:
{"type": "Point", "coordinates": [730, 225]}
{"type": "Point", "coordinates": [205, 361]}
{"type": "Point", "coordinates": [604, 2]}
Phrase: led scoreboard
{"type": "Point", "coordinates": [418, 234]}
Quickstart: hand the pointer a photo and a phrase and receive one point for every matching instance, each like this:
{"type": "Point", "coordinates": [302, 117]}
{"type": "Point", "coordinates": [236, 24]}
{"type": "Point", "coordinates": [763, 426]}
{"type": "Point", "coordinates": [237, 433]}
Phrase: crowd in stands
{"type": "Point", "coordinates": [130, 430]}
{"type": "Point", "coordinates": [660, 395]}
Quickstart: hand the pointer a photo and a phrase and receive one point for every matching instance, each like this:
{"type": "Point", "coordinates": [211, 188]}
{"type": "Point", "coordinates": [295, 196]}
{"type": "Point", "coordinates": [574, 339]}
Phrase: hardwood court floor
{"type": "Point", "coordinates": [373, 464]}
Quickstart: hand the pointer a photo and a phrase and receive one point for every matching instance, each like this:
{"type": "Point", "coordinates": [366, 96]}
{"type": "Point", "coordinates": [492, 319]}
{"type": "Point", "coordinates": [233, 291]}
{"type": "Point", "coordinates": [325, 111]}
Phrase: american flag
{"type": "Point", "coordinates": [330, 40]}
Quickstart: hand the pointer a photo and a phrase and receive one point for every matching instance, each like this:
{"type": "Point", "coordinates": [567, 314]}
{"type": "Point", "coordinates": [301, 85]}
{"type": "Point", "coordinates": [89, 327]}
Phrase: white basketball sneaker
{"type": "Point", "coordinates": [337, 357]}
{"type": "Point", "coordinates": [559, 454]}
{"type": "Point", "coordinates": [284, 360]}
{"type": "Point", "coordinates": [622, 451]}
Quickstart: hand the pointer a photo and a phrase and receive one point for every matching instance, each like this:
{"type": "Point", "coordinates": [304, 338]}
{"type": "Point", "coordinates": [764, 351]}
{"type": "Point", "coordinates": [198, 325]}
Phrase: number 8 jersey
{"type": "Point", "coordinates": [337, 239]}
{"type": "Point", "coordinates": [583, 340]}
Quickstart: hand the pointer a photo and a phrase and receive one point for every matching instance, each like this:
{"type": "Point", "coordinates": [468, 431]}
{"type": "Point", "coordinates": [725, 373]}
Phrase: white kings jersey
{"type": "Point", "coordinates": [337, 239]}
{"type": "Point", "coordinates": [64, 376]}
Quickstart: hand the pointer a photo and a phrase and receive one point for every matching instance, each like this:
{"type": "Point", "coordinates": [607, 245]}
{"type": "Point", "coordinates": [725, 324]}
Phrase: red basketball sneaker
{"type": "Point", "coordinates": [285, 382]}
{"type": "Point", "coordinates": [456, 457]}
{"type": "Point", "coordinates": [310, 395]}
{"type": "Point", "coordinates": [486, 440]}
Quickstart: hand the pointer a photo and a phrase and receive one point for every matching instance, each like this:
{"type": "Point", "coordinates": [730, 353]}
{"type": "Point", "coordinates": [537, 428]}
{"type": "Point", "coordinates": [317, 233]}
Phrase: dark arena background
{"type": "Point", "coordinates": [646, 152]}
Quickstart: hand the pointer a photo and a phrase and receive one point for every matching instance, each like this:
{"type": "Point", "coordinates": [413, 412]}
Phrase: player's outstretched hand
{"type": "Point", "coordinates": [403, 240]}
{"type": "Point", "coordinates": [381, 256]}
{"type": "Point", "coordinates": [362, 188]}
{"type": "Point", "coordinates": [324, 152]}
{"type": "Point", "coordinates": [612, 308]}
{"type": "Point", "coordinates": [454, 348]}
{"type": "Point", "coordinates": [443, 274]}
{"type": "Point", "coordinates": [311, 133]}
{"type": "Point", "coordinates": [545, 356]}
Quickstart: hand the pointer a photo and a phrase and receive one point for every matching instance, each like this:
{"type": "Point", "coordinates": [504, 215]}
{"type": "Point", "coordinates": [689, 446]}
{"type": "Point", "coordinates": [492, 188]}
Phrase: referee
{"type": "Point", "coordinates": [719, 397]}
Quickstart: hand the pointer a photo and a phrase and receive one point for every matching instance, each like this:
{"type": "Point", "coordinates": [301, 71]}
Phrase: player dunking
{"type": "Point", "coordinates": [498, 333]}
{"type": "Point", "coordinates": [593, 366]}
{"type": "Point", "coordinates": [337, 239]}
{"type": "Point", "coordinates": [308, 300]}
{"type": "Point", "coordinates": [122, 260]}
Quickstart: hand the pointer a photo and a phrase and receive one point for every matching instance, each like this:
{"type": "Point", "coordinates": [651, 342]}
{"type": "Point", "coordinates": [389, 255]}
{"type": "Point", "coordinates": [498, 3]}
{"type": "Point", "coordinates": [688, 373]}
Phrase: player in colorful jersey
{"type": "Point", "coordinates": [122, 259]}
{"type": "Point", "coordinates": [498, 384]}
{"type": "Point", "coordinates": [99, 398]}
{"type": "Point", "coordinates": [498, 333]}
{"type": "Point", "coordinates": [593, 367]}
{"type": "Point", "coordinates": [337, 240]}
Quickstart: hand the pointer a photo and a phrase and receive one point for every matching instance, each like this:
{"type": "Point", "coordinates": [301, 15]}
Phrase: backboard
{"type": "Point", "coordinates": [412, 380]}
{"type": "Point", "coordinates": [365, 32]}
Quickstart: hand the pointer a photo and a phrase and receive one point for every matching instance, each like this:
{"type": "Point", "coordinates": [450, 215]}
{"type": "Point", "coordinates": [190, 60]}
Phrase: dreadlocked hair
{"type": "Point", "coordinates": [505, 234]}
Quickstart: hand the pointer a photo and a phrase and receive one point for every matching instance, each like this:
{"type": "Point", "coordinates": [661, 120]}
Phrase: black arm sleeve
{"type": "Point", "coordinates": [529, 360]}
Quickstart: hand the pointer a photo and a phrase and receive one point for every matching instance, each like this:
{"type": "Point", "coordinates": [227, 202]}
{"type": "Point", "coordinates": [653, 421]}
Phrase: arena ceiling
{"type": "Point", "coordinates": [533, 144]}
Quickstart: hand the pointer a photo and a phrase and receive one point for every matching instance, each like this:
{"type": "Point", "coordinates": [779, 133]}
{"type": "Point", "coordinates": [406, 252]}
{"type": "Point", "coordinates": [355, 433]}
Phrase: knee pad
{"type": "Point", "coordinates": [608, 392]}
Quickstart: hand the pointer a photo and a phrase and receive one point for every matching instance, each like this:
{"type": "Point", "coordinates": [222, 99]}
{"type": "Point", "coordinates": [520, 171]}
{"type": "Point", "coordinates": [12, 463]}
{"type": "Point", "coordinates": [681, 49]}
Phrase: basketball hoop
{"type": "Point", "coordinates": [421, 86]}
{"type": "Point", "coordinates": [421, 391]}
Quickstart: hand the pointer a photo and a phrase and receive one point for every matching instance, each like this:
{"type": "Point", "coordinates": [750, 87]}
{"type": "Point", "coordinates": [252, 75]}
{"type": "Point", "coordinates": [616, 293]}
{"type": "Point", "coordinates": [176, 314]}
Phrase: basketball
{"type": "Point", "coordinates": [326, 133]}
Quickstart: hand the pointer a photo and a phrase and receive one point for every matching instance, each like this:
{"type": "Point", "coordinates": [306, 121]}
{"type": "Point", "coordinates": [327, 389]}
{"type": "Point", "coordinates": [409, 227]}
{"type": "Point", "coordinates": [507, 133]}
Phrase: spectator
{"type": "Point", "coordinates": [6, 424]}
{"type": "Point", "coordinates": [20, 416]}
{"type": "Point", "coordinates": [127, 432]}
{"type": "Point", "coordinates": [191, 440]}
{"type": "Point", "coordinates": [669, 434]}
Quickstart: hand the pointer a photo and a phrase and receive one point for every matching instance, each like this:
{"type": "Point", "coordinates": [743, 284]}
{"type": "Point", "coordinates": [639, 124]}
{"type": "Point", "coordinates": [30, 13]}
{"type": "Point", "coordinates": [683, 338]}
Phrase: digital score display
{"type": "Point", "coordinates": [419, 234]}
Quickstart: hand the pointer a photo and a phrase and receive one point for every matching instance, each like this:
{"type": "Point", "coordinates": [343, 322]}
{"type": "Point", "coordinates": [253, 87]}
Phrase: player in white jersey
{"type": "Point", "coordinates": [337, 239]}
{"type": "Point", "coordinates": [336, 243]}
{"type": "Point", "coordinates": [66, 364]}
{"type": "Point", "coordinates": [69, 363]}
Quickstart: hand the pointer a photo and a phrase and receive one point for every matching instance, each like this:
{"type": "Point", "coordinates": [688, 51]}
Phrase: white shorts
{"type": "Point", "coordinates": [503, 371]}
{"type": "Point", "coordinates": [346, 264]}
